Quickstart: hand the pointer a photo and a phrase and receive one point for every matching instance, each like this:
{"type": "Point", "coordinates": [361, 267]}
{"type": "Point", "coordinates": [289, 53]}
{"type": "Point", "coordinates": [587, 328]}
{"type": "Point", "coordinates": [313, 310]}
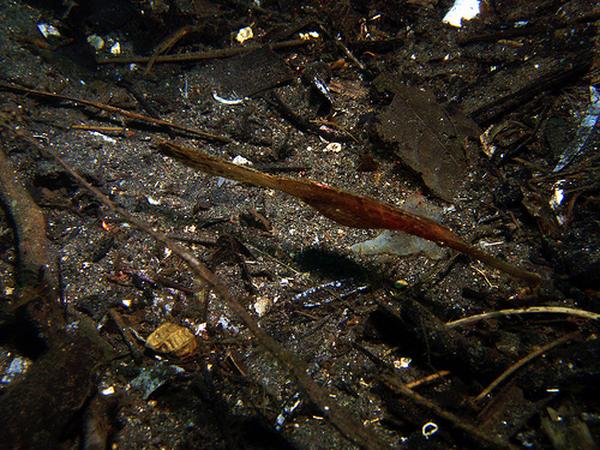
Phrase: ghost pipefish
{"type": "Point", "coordinates": [347, 209]}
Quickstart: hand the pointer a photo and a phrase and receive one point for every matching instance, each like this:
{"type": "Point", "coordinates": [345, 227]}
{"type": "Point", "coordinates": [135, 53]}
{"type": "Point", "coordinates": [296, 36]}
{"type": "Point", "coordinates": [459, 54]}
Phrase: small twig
{"type": "Point", "coordinates": [274, 259]}
{"type": "Point", "coordinates": [531, 310]}
{"type": "Point", "coordinates": [396, 384]}
{"type": "Point", "coordinates": [99, 128]}
{"type": "Point", "coordinates": [338, 42]}
{"type": "Point", "coordinates": [127, 335]}
{"type": "Point", "coordinates": [173, 285]}
{"type": "Point", "coordinates": [120, 111]}
{"type": "Point", "coordinates": [334, 124]}
{"type": "Point", "coordinates": [427, 379]}
{"type": "Point", "coordinates": [237, 366]}
{"type": "Point", "coordinates": [461, 424]}
{"type": "Point", "coordinates": [191, 240]}
{"type": "Point", "coordinates": [520, 363]}
{"type": "Point", "coordinates": [168, 43]}
{"type": "Point", "coordinates": [280, 168]}
{"type": "Point", "coordinates": [485, 277]}
{"type": "Point", "coordinates": [300, 122]}
{"type": "Point", "coordinates": [61, 287]}
{"type": "Point", "coordinates": [350, 55]}
{"type": "Point", "coordinates": [199, 56]}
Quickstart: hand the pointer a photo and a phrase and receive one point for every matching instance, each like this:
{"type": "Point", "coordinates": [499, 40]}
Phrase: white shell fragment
{"type": "Point", "coordinates": [262, 305]}
{"type": "Point", "coordinates": [152, 201]}
{"type": "Point", "coordinates": [244, 34]}
{"type": "Point", "coordinates": [334, 147]}
{"type": "Point", "coordinates": [18, 366]}
{"type": "Point", "coordinates": [558, 195]}
{"type": "Point", "coordinates": [226, 325]}
{"type": "Point", "coordinates": [48, 30]}
{"type": "Point", "coordinates": [287, 410]}
{"type": "Point", "coordinates": [461, 10]}
{"type": "Point", "coordinates": [104, 137]}
{"type": "Point", "coordinates": [487, 140]}
{"type": "Point", "coordinates": [556, 201]}
{"type": "Point", "coordinates": [116, 49]}
{"type": "Point", "coordinates": [309, 36]}
{"type": "Point", "coordinates": [108, 391]}
{"type": "Point", "coordinates": [402, 363]}
{"type": "Point", "coordinates": [241, 161]}
{"type": "Point", "coordinates": [227, 101]}
{"type": "Point", "coordinates": [429, 429]}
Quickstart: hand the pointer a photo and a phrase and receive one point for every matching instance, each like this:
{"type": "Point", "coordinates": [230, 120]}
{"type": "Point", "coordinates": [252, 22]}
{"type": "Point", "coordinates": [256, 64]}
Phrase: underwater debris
{"type": "Point", "coordinates": [174, 340]}
{"type": "Point", "coordinates": [586, 129]}
{"type": "Point", "coordinates": [326, 293]}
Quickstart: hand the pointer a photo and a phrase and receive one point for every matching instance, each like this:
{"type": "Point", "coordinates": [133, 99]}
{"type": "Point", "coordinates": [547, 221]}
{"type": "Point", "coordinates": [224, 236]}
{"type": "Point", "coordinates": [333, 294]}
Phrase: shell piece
{"type": "Point", "coordinates": [172, 339]}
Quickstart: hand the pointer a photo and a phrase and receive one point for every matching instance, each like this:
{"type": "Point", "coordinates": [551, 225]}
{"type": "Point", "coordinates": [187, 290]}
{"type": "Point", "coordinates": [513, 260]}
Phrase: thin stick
{"type": "Point", "coordinates": [349, 54]}
{"type": "Point", "coordinates": [136, 353]}
{"type": "Point", "coordinates": [520, 363]}
{"type": "Point", "coordinates": [100, 129]}
{"type": "Point", "coordinates": [168, 43]}
{"type": "Point", "coordinates": [531, 310]}
{"type": "Point", "coordinates": [351, 428]}
{"type": "Point", "coordinates": [428, 379]}
{"type": "Point", "coordinates": [453, 419]}
{"type": "Point", "coordinates": [199, 56]}
{"type": "Point", "coordinates": [120, 111]}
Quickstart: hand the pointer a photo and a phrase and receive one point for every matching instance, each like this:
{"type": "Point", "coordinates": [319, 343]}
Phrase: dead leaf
{"type": "Point", "coordinates": [427, 138]}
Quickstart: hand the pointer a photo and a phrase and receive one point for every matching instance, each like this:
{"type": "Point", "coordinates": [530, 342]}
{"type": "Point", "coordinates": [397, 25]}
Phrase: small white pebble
{"type": "Point", "coordinates": [153, 201]}
{"type": "Point", "coordinates": [334, 147]}
{"type": "Point", "coordinates": [244, 34]}
{"type": "Point", "coordinates": [108, 391]}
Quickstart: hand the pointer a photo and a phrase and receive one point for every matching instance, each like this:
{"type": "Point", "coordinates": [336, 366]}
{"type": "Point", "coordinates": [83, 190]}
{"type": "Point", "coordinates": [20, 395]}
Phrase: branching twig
{"type": "Point", "coordinates": [168, 43]}
{"type": "Point", "coordinates": [136, 354]}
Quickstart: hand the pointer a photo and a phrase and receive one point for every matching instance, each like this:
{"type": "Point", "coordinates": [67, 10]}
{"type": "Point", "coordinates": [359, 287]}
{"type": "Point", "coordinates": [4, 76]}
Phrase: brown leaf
{"type": "Point", "coordinates": [427, 138]}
